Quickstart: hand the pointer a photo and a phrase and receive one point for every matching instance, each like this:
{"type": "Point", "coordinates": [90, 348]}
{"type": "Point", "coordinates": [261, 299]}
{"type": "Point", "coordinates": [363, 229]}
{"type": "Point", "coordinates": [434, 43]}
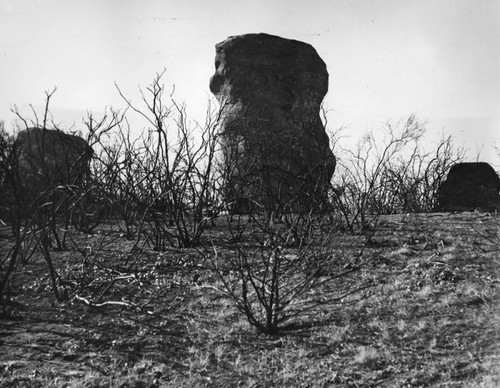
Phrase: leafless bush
{"type": "Point", "coordinates": [171, 170]}
{"type": "Point", "coordinates": [283, 261]}
{"type": "Point", "coordinates": [46, 189]}
{"type": "Point", "coordinates": [165, 183]}
{"type": "Point", "coordinates": [390, 172]}
{"type": "Point", "coordinates": [50, 170]}
{"type": "Point", "coordinates": [95, 201]}
{"type": "Point", "coordinates": [117, 166]}
{"type": "Point", "coordinates": [279, 275]}
{"type": "Point", "coordinates": [411, 185]}
{"type": "Point", "coordinates": [6, 171]}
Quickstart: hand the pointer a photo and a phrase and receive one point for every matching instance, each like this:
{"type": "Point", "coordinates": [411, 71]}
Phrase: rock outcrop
{"type": "Point", "coordinates": [48, 158]}
{"type": "Point", "coordinates": [276, 150]}
{"type": "Point", "coordinates": [470, 186]}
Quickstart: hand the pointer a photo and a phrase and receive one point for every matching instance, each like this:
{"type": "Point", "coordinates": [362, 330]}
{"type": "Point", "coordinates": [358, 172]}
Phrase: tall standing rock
{"type": "Point", "coordinates": [276, 150]}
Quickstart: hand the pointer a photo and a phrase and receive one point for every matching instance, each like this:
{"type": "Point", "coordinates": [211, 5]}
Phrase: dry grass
{"type": "Point", "coordinates": [433, 319]}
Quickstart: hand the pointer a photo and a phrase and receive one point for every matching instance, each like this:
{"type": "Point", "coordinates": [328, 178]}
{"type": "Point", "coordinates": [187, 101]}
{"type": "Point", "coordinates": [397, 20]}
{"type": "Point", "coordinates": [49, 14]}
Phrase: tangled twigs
{"type": "Point", "coordinates": [112, 303]}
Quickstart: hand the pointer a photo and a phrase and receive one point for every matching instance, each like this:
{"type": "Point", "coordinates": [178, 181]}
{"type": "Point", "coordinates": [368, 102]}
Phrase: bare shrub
{"type": "Point", "coordinates": [390, 172]}
{"type": "Point", "coordinates": [48, 174]}
{"type": "Point", "coordinates": [280, 275]}
{"type": "Point", "coordinates": [46, 189]}
{"type": "Point", "coordinates": [283, 262]}
{"type": "Point", "coordinates": [173, 170]}
{"type": "Point", "coordinates": [118, 168]}
{"type": "Point", "coordinates": [6, 172]}
{"type": "Point", "coordinates": [93, 202]}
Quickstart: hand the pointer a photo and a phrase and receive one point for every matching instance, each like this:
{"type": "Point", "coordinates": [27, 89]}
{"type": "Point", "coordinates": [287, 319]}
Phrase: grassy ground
{"type": "Point", "coordinates": [431, 319]}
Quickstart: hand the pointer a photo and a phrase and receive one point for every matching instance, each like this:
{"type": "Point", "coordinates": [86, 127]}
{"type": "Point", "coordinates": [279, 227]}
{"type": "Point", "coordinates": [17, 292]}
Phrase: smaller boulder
{"type": "Point", "coordinates": [47, 158]}
{"type": "Point", "coordinates": [470, 186]}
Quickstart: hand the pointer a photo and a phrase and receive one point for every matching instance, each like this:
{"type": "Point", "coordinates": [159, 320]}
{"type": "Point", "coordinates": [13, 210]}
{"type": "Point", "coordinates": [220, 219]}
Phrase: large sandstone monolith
{"type": "Point", "coordinates": [48, 158]}
{"type": "Point", "coordinates": [470, 186]}
{"type": "Point", "coordinates": [276, 150]}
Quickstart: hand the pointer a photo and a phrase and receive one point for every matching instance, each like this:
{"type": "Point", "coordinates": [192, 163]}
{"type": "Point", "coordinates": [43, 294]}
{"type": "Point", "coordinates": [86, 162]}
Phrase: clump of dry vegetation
{"type": "Point", "coordinates": [141, 276]}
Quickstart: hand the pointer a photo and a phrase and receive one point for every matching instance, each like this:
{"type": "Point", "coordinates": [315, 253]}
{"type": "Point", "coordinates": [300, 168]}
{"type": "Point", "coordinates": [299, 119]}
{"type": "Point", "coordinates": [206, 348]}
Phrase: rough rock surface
{"type": "Point", "coordinates": [47, 158]}
{"type": "Point", "coordinates": [470, 186]}
{"type": "Point", "coordinates": [275, 146]}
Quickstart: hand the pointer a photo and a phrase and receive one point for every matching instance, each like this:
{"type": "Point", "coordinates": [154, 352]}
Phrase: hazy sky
{"type": "Point", "coordinates": [387, 59]}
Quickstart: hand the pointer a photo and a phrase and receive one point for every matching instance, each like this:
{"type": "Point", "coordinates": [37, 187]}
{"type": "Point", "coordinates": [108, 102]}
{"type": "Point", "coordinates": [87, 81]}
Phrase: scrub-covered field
{"type": "Point", "coordinates": [139, 318]}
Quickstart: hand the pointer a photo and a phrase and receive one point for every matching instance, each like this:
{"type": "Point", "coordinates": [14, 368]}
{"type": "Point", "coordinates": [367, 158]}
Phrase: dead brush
{"type": "Point", "coordinates": [276, 285]}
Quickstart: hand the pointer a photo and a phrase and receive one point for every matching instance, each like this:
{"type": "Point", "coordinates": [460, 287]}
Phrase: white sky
{"type": "Point", "coordinates": [387, 59]}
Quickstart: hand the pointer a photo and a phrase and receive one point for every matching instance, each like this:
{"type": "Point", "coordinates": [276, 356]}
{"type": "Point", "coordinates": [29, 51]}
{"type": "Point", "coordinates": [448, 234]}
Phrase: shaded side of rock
{"type": "Point", "coordinates": [276, 150]}
{"type": "Point", "coordinates": [470, 186]}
